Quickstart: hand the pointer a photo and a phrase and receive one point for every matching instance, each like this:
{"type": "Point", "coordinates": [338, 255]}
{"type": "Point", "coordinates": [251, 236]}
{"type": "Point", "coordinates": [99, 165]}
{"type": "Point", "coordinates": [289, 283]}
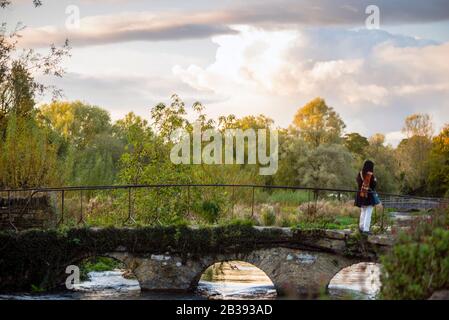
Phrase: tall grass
{"type": "Point", "coordinates": [283, 197]}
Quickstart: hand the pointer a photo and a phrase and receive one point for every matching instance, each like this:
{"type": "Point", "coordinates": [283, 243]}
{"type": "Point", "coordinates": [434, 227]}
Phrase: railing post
{"type": "Point", "coordinates": [61, 221]}
{"type": "Point", "coordinates": [308, 202]}
{"type": "Point", "coordinates": [252, 204]}
{"type": "Point", "coordinates": [9, 205]}
{"type": "Point", "coordinates": [81, 207]}
{"type": "Point", "coordinates": [9, 212]}
{"type": "Point", "coordinates": [130, 207]}
{"type": "Point", "coordinates": [233, 202]}
{"type": "Point", "coordinates": [129, 203]}
{"type": "Point", "coordinates": [188, 201]}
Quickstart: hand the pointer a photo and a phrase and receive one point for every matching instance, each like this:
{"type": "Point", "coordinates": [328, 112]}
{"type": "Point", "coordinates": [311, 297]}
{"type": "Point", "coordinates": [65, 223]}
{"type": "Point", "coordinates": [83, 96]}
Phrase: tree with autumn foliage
{"type": "Point", "coordinates": [438, 181]}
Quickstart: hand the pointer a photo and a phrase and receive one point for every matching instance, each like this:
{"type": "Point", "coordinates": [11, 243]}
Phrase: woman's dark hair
{"type": "Point", "coordinates": [368, 166]}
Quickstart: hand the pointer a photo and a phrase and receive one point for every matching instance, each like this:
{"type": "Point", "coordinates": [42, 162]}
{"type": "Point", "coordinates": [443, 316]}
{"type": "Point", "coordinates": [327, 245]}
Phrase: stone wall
{"type": "Point", "coordinates": [25, 212]}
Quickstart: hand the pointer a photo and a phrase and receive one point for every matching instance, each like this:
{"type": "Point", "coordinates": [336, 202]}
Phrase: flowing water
{"type": "Point", "coordinates": [360, 281]}
{"type": "Point", "coordinates": [233, 280]}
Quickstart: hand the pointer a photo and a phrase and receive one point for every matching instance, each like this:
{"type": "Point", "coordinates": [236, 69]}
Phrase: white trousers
{"type": "Point", "coordinates": [365, 218]}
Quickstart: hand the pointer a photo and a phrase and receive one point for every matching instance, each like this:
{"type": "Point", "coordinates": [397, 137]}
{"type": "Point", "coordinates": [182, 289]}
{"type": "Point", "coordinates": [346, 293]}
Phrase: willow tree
{"type": "Point", "coordinates": [28, 158]}
{"type": "Point", "coordinates": [413, 153]}
{"type": "Point", "coordinates": [90, 148]}
{"type": "Point", "coordinates": [318, 123]}
{"type": "Point", "coordinates": [438, 182]}
{"type": "Point", "coordinates": [27, 152]}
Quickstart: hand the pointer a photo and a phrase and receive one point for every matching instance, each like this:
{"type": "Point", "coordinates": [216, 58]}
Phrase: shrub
{"type": "Point", "coordinates": [210, 211]}
{"type": "Point", "coordinates": [414, 270]}
{"type": "Point", "coordinates": [321, 211]}
{"type": "Point", "coordinates": [418, 264]}
{"type": "Point", "coordinates": [268, 216]}
{"type": "Point", "coordinates": [287, 219]}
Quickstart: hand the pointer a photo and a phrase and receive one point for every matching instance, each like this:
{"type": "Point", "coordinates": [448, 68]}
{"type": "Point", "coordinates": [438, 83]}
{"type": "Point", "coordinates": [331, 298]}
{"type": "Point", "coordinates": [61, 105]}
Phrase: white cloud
{"type": "Point", "coordinates": [239, 59]}
{"type": "Point", "coordinates": [398, 72]}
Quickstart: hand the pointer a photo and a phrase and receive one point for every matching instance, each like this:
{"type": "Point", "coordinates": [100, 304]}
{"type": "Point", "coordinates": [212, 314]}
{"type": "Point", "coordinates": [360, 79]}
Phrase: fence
{"type": "Point", "coordinates": [167, 203]}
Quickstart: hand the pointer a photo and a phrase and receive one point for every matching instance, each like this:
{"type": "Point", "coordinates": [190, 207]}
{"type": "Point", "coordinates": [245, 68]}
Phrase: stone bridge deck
{"type": "Point", "coordinates": [171, 258]}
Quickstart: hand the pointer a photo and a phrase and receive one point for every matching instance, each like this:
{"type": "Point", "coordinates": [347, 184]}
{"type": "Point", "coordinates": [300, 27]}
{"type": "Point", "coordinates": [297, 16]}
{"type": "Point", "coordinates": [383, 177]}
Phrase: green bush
{"type": "Point", "coordinates": [210, 211]}
{"type": "Point", "coordinates": [415, 269]}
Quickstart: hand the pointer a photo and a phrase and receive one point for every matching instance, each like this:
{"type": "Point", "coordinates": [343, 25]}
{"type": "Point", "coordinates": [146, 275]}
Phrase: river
{"type": "Point", "coordinates": [232, 281]}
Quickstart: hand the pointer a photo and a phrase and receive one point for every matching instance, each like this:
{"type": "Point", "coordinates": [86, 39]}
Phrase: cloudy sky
{"type": "Point", "coordinates": [252, 57]}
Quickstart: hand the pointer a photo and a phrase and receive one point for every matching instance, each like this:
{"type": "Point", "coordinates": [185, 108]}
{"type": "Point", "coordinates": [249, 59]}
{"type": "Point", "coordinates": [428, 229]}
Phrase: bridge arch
{"type": "Point", "coordinates": [363, 277]}
{"type": "Point", "coordinates": [241, 274]}
{"type": "Point", "coordinates": [100, 262]}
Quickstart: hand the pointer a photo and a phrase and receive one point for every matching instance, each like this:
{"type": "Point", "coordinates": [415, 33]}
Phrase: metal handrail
{"type": "Point", "coordinates": [259, 186]}
{"type": "Point", "coordinates": [130, 218]}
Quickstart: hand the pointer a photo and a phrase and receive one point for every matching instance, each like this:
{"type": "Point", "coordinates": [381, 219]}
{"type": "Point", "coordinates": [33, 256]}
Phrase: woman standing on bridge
{"type": "Point", "coordinates": [365, 197]}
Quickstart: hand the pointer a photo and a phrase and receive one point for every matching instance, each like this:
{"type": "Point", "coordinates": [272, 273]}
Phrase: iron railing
{"type": "Point", "coordinates": [394, 201]}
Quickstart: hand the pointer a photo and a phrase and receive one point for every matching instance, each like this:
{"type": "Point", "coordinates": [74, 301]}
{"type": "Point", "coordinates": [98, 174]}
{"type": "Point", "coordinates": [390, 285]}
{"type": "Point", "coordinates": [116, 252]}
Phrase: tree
{"type": "Point", "coordinates": [247, 172]}
{"type": "Point", "coordinates": [77, 122]}
{"type": "Point", "coordinates": [97, 163]}
{"type": "Point", "coordinates": [386, 167]}
{"type": "Point", "coordinates": [18, 92]}
{"type": "Point", "coordinates": [27, 157]}
{"type": "Point", "coordinates": [19, 70]}
{"type": "Point", "coordinates": [377, 140]}
{"type": "Point", "coordinates": [356, 143]}
{"type": "Point", "coordinates": [291, 149]}
{"type": "Point", "coordinates": [146, 160]}
{"type": "Point", "coordinates": [168, 118]}
{"type": "Point", "coordinates": [247, 122]}
{"type": "Point", "coordinates": [5, 3]}
{"type": "Point", "coordinates": [328, 166]}
{"type": "Point", "coordinates": [318, 123]}
{"type": "Point", "coordinates": [28, 154]}
{"type": "Point", "coordinates": [413, 153]}
{"type": "Point", "coordinates": [418, 125]}
{"type": "Point", "coordinates": [89, 147]}
{"type": "Point", "coordinates": [438, 182]}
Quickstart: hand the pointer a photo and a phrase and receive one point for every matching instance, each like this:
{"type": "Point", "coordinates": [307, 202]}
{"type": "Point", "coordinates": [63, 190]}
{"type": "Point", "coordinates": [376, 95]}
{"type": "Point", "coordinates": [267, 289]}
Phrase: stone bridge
{"type": "Point", "coordinates": [298, 262]}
